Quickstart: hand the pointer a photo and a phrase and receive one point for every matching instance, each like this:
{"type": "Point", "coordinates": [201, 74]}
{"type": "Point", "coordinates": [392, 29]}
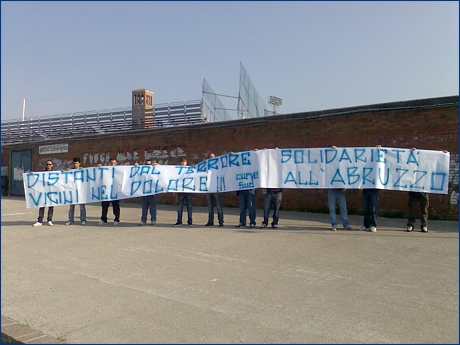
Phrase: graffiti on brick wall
{"type": "Point", "coordinates": [126, 156]}
{"type": "Point", "coordinates": [453, 179]}
{"type": "Point", "coordinates": [58, 164]}
{"type": "Point", "coordinates": [90, 159]}
{"type": "Point", "coordinates": [165, 154]}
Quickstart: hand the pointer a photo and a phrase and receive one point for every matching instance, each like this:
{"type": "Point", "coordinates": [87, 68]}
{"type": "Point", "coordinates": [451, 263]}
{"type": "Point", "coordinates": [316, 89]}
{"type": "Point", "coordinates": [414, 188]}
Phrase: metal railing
{"type": "Point", "coordinates": [98, 121]}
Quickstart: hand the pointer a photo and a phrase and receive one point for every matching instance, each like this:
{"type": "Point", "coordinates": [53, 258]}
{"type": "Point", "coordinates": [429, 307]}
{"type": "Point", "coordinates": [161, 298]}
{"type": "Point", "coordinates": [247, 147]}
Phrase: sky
{"type": "Point", "coordinates": [66, 57]}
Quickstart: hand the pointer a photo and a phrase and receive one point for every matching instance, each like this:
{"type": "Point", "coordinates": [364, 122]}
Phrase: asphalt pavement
{"type": "Point", "coordinates": [300, 283]}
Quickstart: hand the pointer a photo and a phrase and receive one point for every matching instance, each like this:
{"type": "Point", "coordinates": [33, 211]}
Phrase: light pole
{"type": "Point", "coordinates": [276, 102]}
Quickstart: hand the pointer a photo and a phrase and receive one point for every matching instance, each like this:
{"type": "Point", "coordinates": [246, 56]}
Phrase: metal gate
{"type": "Point", "coordinates": [20, 162]}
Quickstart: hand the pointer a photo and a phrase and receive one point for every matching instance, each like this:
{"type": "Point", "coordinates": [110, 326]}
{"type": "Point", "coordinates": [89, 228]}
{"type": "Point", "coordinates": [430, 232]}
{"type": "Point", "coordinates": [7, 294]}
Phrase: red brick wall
{"type": "Point", "coordinates": [432, 128]}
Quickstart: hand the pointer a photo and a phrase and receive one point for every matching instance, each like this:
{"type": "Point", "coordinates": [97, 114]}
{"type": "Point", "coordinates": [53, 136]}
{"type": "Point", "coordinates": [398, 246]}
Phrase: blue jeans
{"type": "Point", "coordinates": [41, 214]}
{"type": "Point", "coordinates": [272, 199]}
{"type": "Point", "coordinates": [246, 200]}
{"type": "Point", "coordinates": [370, 198]}
{"type": "Point", "coordinates": [337, 196]}
{"type": "Point", "coordinates": [82, 213]}
{"type": "Point", "coordinates": [215, 201]}
{"type": "Point", "coordinates": [149, 202]}
{"type": "Point", "coordinates": [180, 206]}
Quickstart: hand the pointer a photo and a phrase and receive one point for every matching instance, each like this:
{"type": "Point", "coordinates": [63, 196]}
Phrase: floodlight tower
{"type": "Point", "coordinates": [276, 102]}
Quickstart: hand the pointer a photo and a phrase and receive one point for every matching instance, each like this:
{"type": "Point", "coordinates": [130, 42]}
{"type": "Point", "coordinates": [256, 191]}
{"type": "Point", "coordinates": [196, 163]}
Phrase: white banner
{"type": "Point", "coordinates": [349, 167]}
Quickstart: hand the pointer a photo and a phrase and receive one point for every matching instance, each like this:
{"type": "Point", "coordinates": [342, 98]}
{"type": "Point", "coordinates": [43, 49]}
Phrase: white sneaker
{"type": "Point", "coordinates": [116, 223]}
{"type": "Point", "coordinates": [83, 222]}
{"type": "Point", "coordinates": [37, 224]}
{"type": "Point", "coordinates": [68, 223]}
{"type": "Point", "coordinates": [373, 229]}
{"type": "Point", "coordinates": [141, 223]}
{"type": "Point", "coordinates": [101, 222]}
{"type": "Point", "coordinates": [424, 229]}
{"type": "Point", "coordinates": [334, 228]}
{"type": "Point", "coordinates": [50, 223]}
{"type": "Point", "coordinates": [409, 228]}
{"type": "Point", "coordinates": [153, 222]}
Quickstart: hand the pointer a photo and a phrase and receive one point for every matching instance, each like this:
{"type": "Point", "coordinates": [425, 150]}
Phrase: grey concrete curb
{"type": "Point", "coordinates": [14, 332]}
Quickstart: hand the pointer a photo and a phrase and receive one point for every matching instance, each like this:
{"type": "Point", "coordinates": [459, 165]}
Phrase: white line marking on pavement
{"type": "Point", "coordinates": [14, 214]}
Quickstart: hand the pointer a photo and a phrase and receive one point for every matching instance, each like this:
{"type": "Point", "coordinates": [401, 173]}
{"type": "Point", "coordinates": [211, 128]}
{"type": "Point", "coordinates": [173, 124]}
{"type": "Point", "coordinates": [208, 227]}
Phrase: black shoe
{"type": "Point", "coordinates": [178, 223]}
{"type": "Point", "coordinates": [189, 224]}
{"type": "Point", "coordinates": [209, 224]}
{"type": "Point", "coordinates": [221, 224]}
{"type": "Point", "coordinates": [240, 225]}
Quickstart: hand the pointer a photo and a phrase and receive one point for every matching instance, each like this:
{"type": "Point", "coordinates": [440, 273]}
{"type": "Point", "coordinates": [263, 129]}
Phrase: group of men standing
{"type": "Point", "coordinates": [246, 201]}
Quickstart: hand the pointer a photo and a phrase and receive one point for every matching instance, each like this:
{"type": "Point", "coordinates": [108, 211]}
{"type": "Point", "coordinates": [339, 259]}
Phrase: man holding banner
{"type": "Point", "coordinates": [214, 200]}
{"type": "Point", "coordinates": [41, 211]}
{"type": "Point", "coordinates": [188, 197]}
{"type": "Point", "coordinates": [76, 165]}
{"type": "Point", "coordinates": [115, 205]}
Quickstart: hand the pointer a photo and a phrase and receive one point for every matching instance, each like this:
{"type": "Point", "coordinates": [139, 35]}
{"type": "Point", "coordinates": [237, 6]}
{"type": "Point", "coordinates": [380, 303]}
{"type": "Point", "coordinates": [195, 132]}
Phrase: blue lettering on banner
{"type": "Point", "coordinates": [351, 174]}
{"type": "Point", "coordinates": [201, 167]}
{"type": "Point", "coordinates": [245, 158]}
{"type": "Point", "coordinates": [345, 156]}
{"type": "Point", "coordinates": [29, 176]}
{"type": "Point", "coordinates": [49, 195]}
{"type": "Point", "coordinates": [290, 178]}
{"type": "Point", "coordinates": [387, 175]}
{"type": "Point", "coordinates": [247, 185]}
{"type": "Point", "coordinates": [380, 155]}
{"type": "Point", "coordinates": [53, 177]}
{"type": "Point", "coordinates": [212, 163]}
{"type": "Point", "coordinates": [328, 158]}
{"type": "Point", "coordinates": [203, 183]}
{"type": "Point", "coordinates": [134, 187]}
{"type": "Point", "coordinates": [181, 167]}
{"type": "Point", "coordinates": [186, 182]}
{"type": "Point", "coordinates": [433, 182]}
{"type": "Point", "coordinates": [246, 176]}
{"type": "Point", "coordinates": [133, 171]}
{"type": "Point", "coordinates": [36, 202]}
{"type": "Point", "coordinates": [286, 156]}
{"type": "Point", "coordinates": [66, 175]}
{"type": "Point", "coordinates": [396, 184]}
{"type": "Point", "coordinates": [309, 158]}
{"type": "Point", "coordinates": [221, 184]}
{"type": "Point", "coordinates": [68, 200]}
{"type": "Point", "coordinates": [397, 154]}
{"type": "Point", "coordinates": [358, 155]}
{"type": "Point", "coordinates": [172, 185]}
{"type": "Point", "coordinates": [158, 190]}
{"type": "Point", "coordinates": [412, 158]}
{"type": "Point", "coordinates": [78, 175]}
{"type": "Point", "coordinates": [101, 170]}
{"type": "Point", "coordinates": [339, 178]}
{"type": "Point", "coordinates": [104, 196]}
{"type": "Point", "coordinates": [414, 185]}
{"type": "Point", "coordinates": [95, 196]}
{"type": "Point", "coordinates": [233, 160]}
{"type": "Point", "coordinates": [224, 161]}
{"type": "Point", "coordinates": [389, 168]}
{"type": "Point", "coordinates": [366, 173]}
{"type": "Point", "coordinates": [298, 156]}
{"type": "Point", "coordinates": [147, 187]}
{"type": "Point", "coordinates": [88, 177]}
